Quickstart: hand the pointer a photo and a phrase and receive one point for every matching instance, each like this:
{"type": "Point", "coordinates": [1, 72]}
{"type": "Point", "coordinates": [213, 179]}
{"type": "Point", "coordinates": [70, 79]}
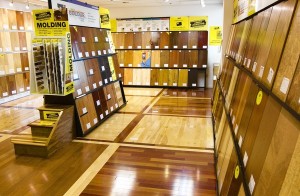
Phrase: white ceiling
{"type": "Point", "coordinates": [130, 3]}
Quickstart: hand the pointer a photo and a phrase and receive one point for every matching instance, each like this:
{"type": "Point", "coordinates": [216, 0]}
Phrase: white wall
{"type": "Point", "coordinates": [215, 18]}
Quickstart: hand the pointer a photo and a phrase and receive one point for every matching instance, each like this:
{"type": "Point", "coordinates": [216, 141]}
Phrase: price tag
{"type": "Point", "coordinates": [245, 61]}
{"type": "Point", "coordinates": [156, 65]}
{"type": "Point", "coordinates": [80, 54]}
{"type": "Point", "coordinates": [7, 49]}
{"type": "Point", "coordinates": [87, 88]}
{"type": "Point", "coordinates": [100, 83]}
{"type": "Point", "coordinates": [104, 51]}
{"type": "Point", "coordinates": [105, 81]}
{"type": "Point", "coordinates": [166, 65]}
{"type": "Point", "coordinates": [184, 46]}
{"type": "Point", "coordinates": [166, 47]}
{"type": "Point", "coordinates": [14, 27]}
{"type": "Point", "coordinates": [101, 116]}
{"type": "Point", "coordinates": [194, 47]}
{"type": "Point", "coordinates": [106, 39]}
{"type": "Point", "coordinates": [121, 47]}
{"type": "Point", "coordinates": [120, 75]}
{"type": "Point", "coordinates": [194, 66]}
{"type": "Point", "coordinates": [21, 28]}
{"type": "Point", "coordinates": [156, 83]}
{"type": "Point", "coordinates": [91, 72]}
{"type": "Point", "coordinates": [148, 47]}
{"type": "Point", "coordinates": [94, 85]}
{"type": "Point", "coordinates": [147, 83]}
{"type": "Point", "coordinates": [236, 129]}
{"type": "Point", "coordinates": [139, 47]}
{"type": "Point", "coordinates": [254, 67]}
{"type": "Point", "coordinates": [129, 65]}
{"type": "Point", "coordinates": [193, 85]}
{"type": "Point", "coordinates": [17, 48]}
{"type": "Point", "coordinates": [93, 53]}
{"type": "Point", "coordinates": [111, 109]}
{"type": "Point", "coordinates": [165, 84]}
{"type": "Point", "coordinates": [28, 87]}
{"type": "Point", "coordinates": [5, 94]}
{"type": "Point", "coordinates": [184, 65]}
{"type": "Point", "coordinates": [248, 63]}
{"type": "Point", "coordinates": [204, 47]}
{"type": "Point", "coordinates": [245, 159]}
{"type": "Point", "coordinates": [129, 47]}
{"type": "Point", "coordinates": [98, 102]}
{"type": "Point", "coordinates": [22, 89]}
{"type": "Point", "coordinates": [116, 105]}
{"type": "Point", "coordinates": [108, 97]}
{"type": "Point", "coordinates": [139, 65]}
{"type": "Point", "coordinates": [261, 71]}
{"type": "Point", "coordinates": [110, 79]}
{"type": "Point", "coordinates": [184, 84]}
{"type": "Point", "coordinates": [130, 83]}
{"type": "Point", "coordinates": [95, 121]}
{"type": "Point", "coordinates": [19, 69]}
{"type": "Point", "coordinates": [175, 65]}
{"type": "Point", "coordinates": [11, 71]}
{"type": "Point", "coordinates": [174, 84]}
{"type": "Point", "coordinates": [88, 125]}
{"type": "Point", "coordinates": [106, 112]}
{"type": "Point", "coordinates": [13, 92]}
{"type": "Point", "coordinates": [240, 141]}
{"type": "Point", "coordinates": [102, 68]}
{"type": "Point", "coordinates": [270, 75]}
{"type": "Point", "coordinates": [79, 91]}
{"type": "Point", "coordinates": [99, 52]}
{"type": "Point", "coordinates": [24, 48]}
{"type": "Point", "coordinates": [251, 184]}
{"type": "Point", "coordinates": [84, 110]}
{"type": "Point", "coordinates": [156, 47]}
{"type": "Point", "coordinates": [204, 66]}
{"type": "Point", "coordinates": [121, 65]}
{"type": "Point", "coordinates": [233, 119]}
{"type": "Point", "coordinates": [96, 39]}
{"type": "Point", "coordinates": [29, 28]}
{"type": "Point", "coordinates": [284, 85]}
{"type": "Point", "coordinates": [26, 68]}
{"type": "Point", "coordinates": [175, 47]}
{"type": "Point", "coordinates": [1, 50]}
{"type": "Point", "coordinates": [138, 83]}
{"type": "Point", "coordinates": [2, 72]}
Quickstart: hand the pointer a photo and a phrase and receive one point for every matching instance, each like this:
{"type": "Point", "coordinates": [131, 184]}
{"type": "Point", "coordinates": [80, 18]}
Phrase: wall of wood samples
{"type": "Point", "coordinates": [97, 77]}
{"type": "Point", "coordinates": [256, 105]}
{"type": "Point", "coordinates": [15, 52]}
{"type": "Point", "coordinates": [162, 58]}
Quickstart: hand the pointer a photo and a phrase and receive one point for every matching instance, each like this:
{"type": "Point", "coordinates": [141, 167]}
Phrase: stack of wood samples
{"type": "Point", "coordinates": [173, 51]}
{"type": "Point", "coordinates": [257, 127]}
{"type": "Point", "coordinates": [97, 77]}
{"type": "Point", "coordinates": [15, 53]}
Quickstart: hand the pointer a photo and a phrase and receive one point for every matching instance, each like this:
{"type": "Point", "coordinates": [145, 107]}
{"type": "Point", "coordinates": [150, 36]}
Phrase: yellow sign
{"type": "Point", "coordinates": [112, 68]}
{"type": "Point", "coordinates": [179, 23]}
{"type": "Point", "coordinates": [198, 23]}
{"type": "Point", "coordinates": [259, 97]}
{"type": "Point", "coordinates": [251, 8]}
{"type": "Point", "coordinates": [48, 22]}
{"type": "Point", "coordinates": [113, 25]}
{"type": "Point", "coordinates": [215, 36]}
{"type": "Point", "coordinates": [236, 172]}
{"type": "Point", "coordinates": [50, 115]}
{"type": "Point", "coordinates": [104, 18]}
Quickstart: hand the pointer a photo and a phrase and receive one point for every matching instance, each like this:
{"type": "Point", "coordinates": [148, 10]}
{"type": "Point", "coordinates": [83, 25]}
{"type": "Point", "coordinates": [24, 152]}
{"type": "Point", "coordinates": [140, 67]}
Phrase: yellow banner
{"type": "Point", "coordinates": [48, 22]}
{"type": "Point", "coordinates": [198, 23]}
{"type": "Point", "coordinates": [179, 23]}
{"type": "Point", "coordinates": [215, 36]}
{"type": "Point", "coordinates": [104, 18]}
{"type": "Point", "coordinates": [69, 85]}
{"type": "Point", "coordinates": [113, 25]}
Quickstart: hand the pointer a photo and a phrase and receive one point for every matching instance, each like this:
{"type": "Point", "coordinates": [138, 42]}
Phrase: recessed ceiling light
{"type": "Point", "coordinates": [11, 4]}
{"type": "Point", "coordinates": [167, 1]}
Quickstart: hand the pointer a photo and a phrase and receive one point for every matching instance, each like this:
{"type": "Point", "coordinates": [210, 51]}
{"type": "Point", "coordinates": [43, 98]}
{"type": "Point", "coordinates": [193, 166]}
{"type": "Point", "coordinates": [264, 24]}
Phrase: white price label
{"type": "Point", "coordinates": [240, 141]}
{"type": "Point", "coordinates": [84, 110]}
{"type": "Point", "coordinates": [100, 83]}
{"type": "Point", "coordinates": [5, 94]}
{"type": "Point", "coordinates": [102, 68]}
{"type": "Point", "coordinates": [204, 66]}
{"type": "Point", "coordinates": [26, 68]}
{"type": "Point", "coordinates": [5, 26]}
{"type": "Point", "coordinates": [14, 27]}
{"type": "Point", "coordinates": [156, 47]}
{"type": "Point", "coordinates": [87, 88]}
{"type": "Point", "coordinates": [184, 84]}
{"type": "Point", "coordinates": [174, 84]}
{"type": "Point", "coordinates": [88, 125]}
{"type": "Point", "coordinates": [83, 39]}
{"type": "Point", "coordinates": [165, 84]}
{"type": "Point", "coordinates": [111, 109]}
{"type": "Point", "coordinates": [129, 47]}
{"type": "Point", "coordinates": [193, 85]}
{"type": "Point", "coordinates": [129, 65]}
{"type": "Point", "coordinates": [79, 91]}
{"type": "Point", "coordinates": [21, 28]}
{"type": "Point", "coordinates": [121, 65]}
{"type": "Point", "coordinates": [110, 79]}
{"type": "Point", "coordinates": [87, 54]}
{"type": "Point", "coordinates": [22, 89]}
{"type": "Point", "coordinates": [7, 49]}
{"type": "Point", "coordinates": [130, 83]}
{"type": "Point", "coordinates": [139, 47]}
{"type": "Point", "coordinates": [147, 83]}
{"type": "Point", "coordinates": [80, 55]}
{"type": "Point", "coordinates": [245, 159]}
{"type": "Point", "coordinates": [204, 47]}
{"type": "Point", "coordinates": [175, 47]}
{"type": "Point", "coordinates": [251, 184]}
{"type": "Point", "coordinates": [98, 102]}
{"type": "Point", "coordinates": [24, 48]}
{"type": "Point", "coordinates": [284, 85]}
{"type": "Point", "coordinates": [194, 47]}
{"type": "Point", "coordinates": [139, 65]}
{"type": "Point", "coordinates": [138, 83]}
{"type": "Point", "coordinates": [108, 96]}
{"type": "Point", "coordinates": [156, 83]}
{"type": "Point", "coordinates": [245, 61]}
{"type": "Point", "coordinates": [116, 105]}
{"type": "Point", "coordinates": [28, 87]}
{"type": "Point", "coordinates": [104, 51]}
{"type": "Point", "coordinates": [184, 46]}
{"type": "Point", "coordinates": [2, 72]}
{"type": "Point", "coordinates": [156, 65]}
{"type": "Point", "coordinates": [175, 65]}
{"type": "Point", "coordinates": [261, 71]}
{"type": "Point", "coordinates": [148, 47]}
{"type": "Point", "coordinates": [11, 71]}
{"type": "Point", "coordinates": [75, 76]}
{"type": "Point", "coordinates": [184, 65]}
{"type": "Point", "coordinates": [13, 92]}
{"type": "Point", "coordinates": [194, 66]}
{"type": "Point", "coordinates": [106, 39]}
{"type": "Point", "coordinates": [96, 39]}
{"type": "Point", "coordinates": [166, 47]}
{"type": "Point", "coordinates": [106, 112]}
{"type": "Point", "coordinates": [105, 81]}
{"type": "Point", "coordinates": [91, 72]}
{"type": "Point", "coordinates": [166, 65]}
{"type": "Point", "coordinates": [120, 75]}
{"type": "Point", "coordinates": [101, 116]}
{"type": "Point", "coordinates": [233, 119]}
{"type": "Point", "coordinates": [121, 47]}
{"type": "Point", "coordinates": [17, 48]}
{"type": "Point", "coordinates": [236, 129]}
{"type": "Point", "coordinates": [254, 66]}
{"type": "Point", "coordinates": [99, 52]}
{"type": "Point", "coordinates": [94, 85]}
{"type": "Point", "coordinates": [95, 121]}
{"type": "Point", "coordinates": [248, 63]}
{"type": "Point", "coordinates": [19, 69]}
{"type": "Point", "coordinates": [270, 75]}
{"type": "Point", "coordinates": [93, 53]}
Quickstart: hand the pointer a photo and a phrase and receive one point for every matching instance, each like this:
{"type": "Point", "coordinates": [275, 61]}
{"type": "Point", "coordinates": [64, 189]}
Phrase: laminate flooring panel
{"type": "Point", "coordinates": [28, 20]}
{"type": "Point", "coordinates": [6, 41]}
{"type": "Point", "coordinates": [146, 40]}
{"type": "Point", "coordinates": [221, 150]}
{"type": "Point", "coordinates": [137, 40]}
{"type": "Point", "coordinates": [154, 77]}
{"type": "Point", "coordinates": [144, 173]}
{"type": "Point", "coordinates": [83, 81]}
{"type": "Point", "coordinates": [266, 44]}
{"type": "Point", "coordinates": [231, 89]}
{"type": "Point", "coordinates": [19, 83]}
{"type": "Point", "coordinates": [174, 58]}
{"type": "Point", "coordinates": [97, 105]}
{"type": "Point", "coordinates": [181, 107]}
{"type": "Point", "coordinates": [119, 95]}
{"type": "Point", "coordinates": [183, 58]}
{"type": "Point", "coordinates": [261, 36]}
{"type": "Point", "coordinates": [136, 104]}
{"type": "Point", "coordinates": [146, 77]}
{"type": "Point", "coordinates": [290, 58]}
{"type": "Point", "coordinates": [17, 62]}
{"type": "Point", "coordinates": [121, 57]}
{"type": "Point", "coordinates": [155, 40]}
{"type": "Point", "coordinates": [155, 58]}
{"type": "Point", "coordinates": [137, 58]}
{"type": "Point", "coordinates": [137, 77]}
{"type": "Point", "coordinates": [174, 131]}
{"type": "Point", "coordinates": [291, 181]}
{"type": "Point", "coordinates": [11, 83]}
{"type": "Point", "coordinates": [279, 39]}
{"type": "Point", "coordinates": [192, 78]}
{"type": "Point", "coordinates": [279, 155]}
{"type": "Point", "coordinates": [163, 77]}
{"type": "Point", "coordinates": [173, 77]}
{"type": "Point", "coordinates": [3, 18]}
{"type": "Point", "coordinates": [36, 175]}
{"type": "Point", "coordinates": [219, 131]}
{"type": "Point", "coordinates": [193, 39]}
{"type": "Point", "coordinates": [26, 77]}
{"type": "Point", "coordinates": [183, 77]}
{"type": "Point", "coordinates": [12, 19]}
{"type": "Point", "coordinates": [230, 39]}
{"type": "Point", "coordinates": [111, 128]}
{"type": "Point", "coordinates": [120, 40]}
{"type": "Point", "coordinates": [128, 58]}
{"type": "Point", "coordinates": [3, 87]}
{"type": "Point", "coordinates": [193, 58]}
{"type": "Point", "coordinates": [164, 58]}
{"type": "Point", "coordinates": [28, 40]}
{"type": "Point", "coordinates": [263, 139]}
{"type": "Point", "coordinates": [129, 41]}
{"type": "Point", "coordinates": [119, 71]}
{"type": "Point", "coordinates": [93, 73]}
{"type": "Point", "coordinates": [164, 40]}
{"type": "Point", "coordinates": [103, 101]}
{"type": "Point", "coordinates": [202, 39]}
{"type": "Point", "coordinates": [128, 76]}
{"type": "Point", "coordinates": [202, 58]}
{"type": "Point", "coordinates": [174, 39]}
{"type": "Point", "coordinates": [294, 92]}
{"type": "Point", "coordinates": [24, 61]}
{"type": "Point", "coordinates": [244, 40]}
{"type": "Point", "coordinates": [183, 40]}
{"type": "Point", "coordinates": [22, 41]}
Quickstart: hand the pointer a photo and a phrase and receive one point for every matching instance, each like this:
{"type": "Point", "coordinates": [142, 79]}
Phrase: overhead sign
{"type": "Point", "coordinates": [198, 23]}
{"type": "Point", "coordinates": [104, 18]}
{"type": "Point", "coordinates": [179, 23]}
{"type": "Point", "coordinates": [215, 36]}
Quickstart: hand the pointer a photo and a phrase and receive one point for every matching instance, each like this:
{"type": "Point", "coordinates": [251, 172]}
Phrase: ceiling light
{"type": "Point", "coordinates": [11, 4]}
{"type": "Point", "coordinates": [166, 1]}
{"type": "Point", "coordinates": [27, 6]}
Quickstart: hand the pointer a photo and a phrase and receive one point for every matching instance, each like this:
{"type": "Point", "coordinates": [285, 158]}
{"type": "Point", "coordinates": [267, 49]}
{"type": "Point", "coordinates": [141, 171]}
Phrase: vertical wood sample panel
{"type": "Point", "coordinates": [192, 77]}
{"type": "Point", "coordinates": [163, 77]}
{"type": "Point", "coordinates": [154, 77]}
{"type": "Point", "coordinates": [202, 58]}
{"type": "Point", "coordinates": [164, 41]}
{"type": "Point", "coordinates": [137, 40]}
{"type": "Point", "coordinates": [164, 58]}
{"type": "Point", "coordinates": [128, 76]}
{"type": "Point", "coordinates": [294, 92]}
{"type": "Point", "coordinates": [183, 58]}
{"type": "Point", "coordinates": [202, 39]}
{"type": "Point", "coordinates": [193, 39]}
{"type": "Point", "coordinates": [128, 58]}
{"type": "Point", "coordinates": [192, 58]}
{"type": "Point", "coordinates": [155, 40]}
{"type": "Point", "coordinates": [173, 77]}
{"type": "Point", "coordinates": [128, 43]}
{"type": "Point", "coordinates": [183, 77]}
{"type": "Point", "coordinates": [146, 40]}
{"type": "Point", "coordinates": [155, 58]}
{"type": "Point", "coordinates": [174, 58]}
{"type": "Point", "coordinates": [174, 39]}
{"type": "Point", "coordinates": [183, 40]}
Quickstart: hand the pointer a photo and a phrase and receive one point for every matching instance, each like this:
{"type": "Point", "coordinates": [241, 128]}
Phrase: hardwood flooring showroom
{"type": "Point", "coordinates": [160, 143]}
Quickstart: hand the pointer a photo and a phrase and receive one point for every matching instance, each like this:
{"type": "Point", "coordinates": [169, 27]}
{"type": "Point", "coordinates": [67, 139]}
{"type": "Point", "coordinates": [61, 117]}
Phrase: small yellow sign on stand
{"type": "Point", "coordinates": [104, 18]}
{"type": "Point", "coordinates": [215, 36]}
{"type": "Point", "coordinates": [179, 23]}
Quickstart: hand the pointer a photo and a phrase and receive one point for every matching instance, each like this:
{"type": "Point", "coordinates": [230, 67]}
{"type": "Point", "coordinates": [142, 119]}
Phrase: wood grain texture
{"type": "Point", "coordinates": [137, 58]}
{"type": "Point", "coordinates": [28, 20]}
{"type": "Point", "coordinates": [163, 77]}
{"type": "Point", "coordinates": [183, 58]}
{"type": "Point", "coordinates": [3, 87]}
{"type": "Point", "coordinates": [128, 76]}
{"type": "Point", "coordinates": [244, 40]}
{"type": "Point", "coordinates": [12, 19]}
{"type": "Point", "coordinates": [174, 58]}
{"type": "Point", "coordinates": [294, 93]}
{"type": "Point", "coordinates": [164, 40]}
{"type": "Point", "coordinates": [11, 83]}
{"type": "Point", "coordinates": [145, 166]}
{"type": "Point", "coordinates": [155, 58]}
{"type": "Point", "coordinates": [193, 39]}
{"type": "Point", "coordinates": [202, 58]}
{"type": "Point", "coordinates": [155, 40]}
{"type": "Point", "coordinates": [192, 58]}
{"type": "Point", "coordinates": [174, 39]}
{"type": "Point", "coordinates": [137, 40]}
{"type": "Point", "coordinates": [121, 57]}
{"type": "Point", "coordinates": [173, 77]}
{"type": "Point", "coordinates": [182, 77]}
{"type": "Point", "coordinates": [279, 155]}
{"type": "Point", "coordinates": [279, 38]}
{"type": "Point", "coordinates": [202, 39]}
{"type": "Point", "coordinates": [19, 83]}
{"type": "Point", "coordinates": [128, 58]}
{"type": "Point", "coordinates": [146, 40]}
{"type": "Point", "coordinates": [164, 58]}
{"type": "Point", "coordinates": [192, 78]}
{"type": "Point", "coordinates": [146, 77]}
{"type": "Point", "coordinates": [229, 95]}
{"type": "Point", "coordinates": [290, 57]}
{"type": "Point", "coordinates": [183, 39]}
{"type": "Point", "coordinates": [154, 77]}
{"type": "Point", "coordinates": [129, 41]}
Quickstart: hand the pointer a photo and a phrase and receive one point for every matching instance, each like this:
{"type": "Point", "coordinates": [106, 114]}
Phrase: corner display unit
{"type": "Point", "coordinates": [163, 58]}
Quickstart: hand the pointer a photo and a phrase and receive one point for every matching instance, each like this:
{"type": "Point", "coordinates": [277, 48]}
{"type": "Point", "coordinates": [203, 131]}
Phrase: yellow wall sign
{"type": "Point", "coordinates": [215, 36]}
{"type": "Point", "coordinates": [51, 115]}
{"type": "Point", "coordinates": [104, 18]}
{"type": "Point", "coordinates": [113, 25]}
{"type": "Point", "coordinates": [179, 23]}
{"type": "Point", "coordinates": [198, 23]}
{"type": "Point", "coordinates": [48, 22]}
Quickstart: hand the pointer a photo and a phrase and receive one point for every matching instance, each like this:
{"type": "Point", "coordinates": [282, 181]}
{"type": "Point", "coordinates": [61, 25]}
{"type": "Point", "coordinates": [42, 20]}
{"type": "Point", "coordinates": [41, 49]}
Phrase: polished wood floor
{"type": "Point", "coordinates": [160, 143]}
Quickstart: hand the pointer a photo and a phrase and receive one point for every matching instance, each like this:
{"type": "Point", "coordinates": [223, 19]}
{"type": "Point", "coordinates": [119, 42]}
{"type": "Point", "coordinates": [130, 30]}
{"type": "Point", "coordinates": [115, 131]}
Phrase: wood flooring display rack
{"type": "Point", "coordinates": [256, 105]}
{"type": "Point", "coordinates": [163, 58]}
{"type": "Point", "coordinates": [96, 75]}
{"type": "Point", "coordinates": [15, 54]}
